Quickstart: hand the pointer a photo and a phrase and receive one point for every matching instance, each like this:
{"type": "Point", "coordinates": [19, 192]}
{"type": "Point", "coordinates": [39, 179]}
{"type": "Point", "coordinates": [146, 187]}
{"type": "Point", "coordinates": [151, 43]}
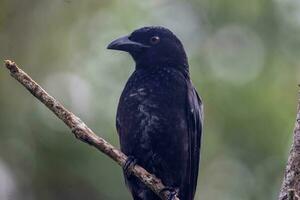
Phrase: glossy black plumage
{"type": "Point", "coordinates": [159, 117]}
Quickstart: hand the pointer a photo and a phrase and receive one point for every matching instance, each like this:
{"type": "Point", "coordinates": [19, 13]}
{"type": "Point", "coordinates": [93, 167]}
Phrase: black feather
{"type": "Point", "coordinates": [159, 117]}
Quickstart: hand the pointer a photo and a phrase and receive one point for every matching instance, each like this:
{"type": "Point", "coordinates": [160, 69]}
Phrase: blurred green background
{"type": "Point", "coordinates": [244, 60]}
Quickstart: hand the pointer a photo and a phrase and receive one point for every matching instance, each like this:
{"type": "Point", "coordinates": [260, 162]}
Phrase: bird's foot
{"type": "Point", "coordinates": [172, 192]}
{"type": "Point", "coordinates": [130, 163]}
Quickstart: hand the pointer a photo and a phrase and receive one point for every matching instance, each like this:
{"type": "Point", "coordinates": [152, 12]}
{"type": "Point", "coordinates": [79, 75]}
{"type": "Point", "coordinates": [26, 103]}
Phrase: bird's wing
{"type": "Point", "coordinates": [195, 121]}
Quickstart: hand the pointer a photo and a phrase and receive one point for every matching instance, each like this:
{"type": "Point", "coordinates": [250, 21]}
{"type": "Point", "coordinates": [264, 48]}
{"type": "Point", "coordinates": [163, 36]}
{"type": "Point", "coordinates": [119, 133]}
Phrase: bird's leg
{"type": "Point", "coordinates": [172, 192]}
{"type": "Point", "coordinates": [130, 163]}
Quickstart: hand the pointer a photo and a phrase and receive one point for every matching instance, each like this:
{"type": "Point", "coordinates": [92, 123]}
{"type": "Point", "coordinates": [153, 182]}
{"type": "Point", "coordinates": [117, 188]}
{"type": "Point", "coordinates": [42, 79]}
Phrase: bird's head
{"type": "Point", "coordinates": [152, 46]}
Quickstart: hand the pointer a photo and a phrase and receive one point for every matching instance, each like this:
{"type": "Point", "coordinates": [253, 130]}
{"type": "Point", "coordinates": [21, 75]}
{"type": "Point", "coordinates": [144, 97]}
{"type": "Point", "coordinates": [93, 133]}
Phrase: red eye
{"type": "Point", "coordinates": [154, 40]}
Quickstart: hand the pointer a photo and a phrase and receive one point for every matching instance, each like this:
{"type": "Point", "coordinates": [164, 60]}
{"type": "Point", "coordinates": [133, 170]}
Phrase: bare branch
{"type": "Point", "coordinates": [84, 133]}
{"type": "Point", "coordinates": [290, 189]}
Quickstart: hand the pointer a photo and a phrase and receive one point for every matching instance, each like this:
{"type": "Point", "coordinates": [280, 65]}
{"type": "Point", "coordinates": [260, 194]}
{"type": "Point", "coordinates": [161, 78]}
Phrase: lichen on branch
{"type": "Point", "coordinates": [290, 189]}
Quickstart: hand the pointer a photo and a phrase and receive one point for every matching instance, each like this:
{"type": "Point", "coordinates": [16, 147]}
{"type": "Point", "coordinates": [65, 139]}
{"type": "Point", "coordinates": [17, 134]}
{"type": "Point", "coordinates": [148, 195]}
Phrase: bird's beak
{"type": "Point", "coordinates": [125, 44]}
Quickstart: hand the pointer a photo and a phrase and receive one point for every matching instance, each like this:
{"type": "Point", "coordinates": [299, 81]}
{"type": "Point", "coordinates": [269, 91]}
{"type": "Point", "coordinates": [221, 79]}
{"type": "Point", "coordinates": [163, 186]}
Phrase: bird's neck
{"type": "Point", "coordinates": [181, 66]}
{"type": "Point", "coordinates": [183, 69]}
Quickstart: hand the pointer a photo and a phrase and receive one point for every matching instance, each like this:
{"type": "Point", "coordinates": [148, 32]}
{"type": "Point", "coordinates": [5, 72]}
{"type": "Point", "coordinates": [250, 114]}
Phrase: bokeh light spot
{"type": "Point", "coordinates": [235, 54]}
{"type": "Point", "coordinates": [73, 91]}
{"type": "Point", "coordinates": [7, 183]}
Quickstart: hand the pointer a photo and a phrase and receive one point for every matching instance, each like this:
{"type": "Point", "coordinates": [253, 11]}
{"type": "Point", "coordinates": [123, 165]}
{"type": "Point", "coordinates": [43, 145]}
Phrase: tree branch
{"type": "Point", "coordinates": [290, 189]}
{"type": "Point", "coordinates": [84, 133]}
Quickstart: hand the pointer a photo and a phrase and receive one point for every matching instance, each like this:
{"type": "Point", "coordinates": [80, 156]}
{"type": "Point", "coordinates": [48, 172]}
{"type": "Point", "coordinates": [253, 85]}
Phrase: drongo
{"type": "Point", "coordinates": [159, 117]}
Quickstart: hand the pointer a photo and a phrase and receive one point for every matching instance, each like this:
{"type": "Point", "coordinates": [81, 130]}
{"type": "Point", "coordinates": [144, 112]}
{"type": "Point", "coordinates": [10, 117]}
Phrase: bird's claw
{"type": "Point", "coordinates": [130, 163]}
{"type": "Point", "coordinates": [172, 192]}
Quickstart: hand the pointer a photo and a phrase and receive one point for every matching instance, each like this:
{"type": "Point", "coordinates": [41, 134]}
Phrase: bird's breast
{"type": "Point", "coordinates": [152, 106]}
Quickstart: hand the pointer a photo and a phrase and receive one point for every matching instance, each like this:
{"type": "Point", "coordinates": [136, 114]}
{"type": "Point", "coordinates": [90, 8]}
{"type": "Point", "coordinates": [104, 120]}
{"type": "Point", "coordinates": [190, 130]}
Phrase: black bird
{"type": "Point", "coordinates": [159, 117]}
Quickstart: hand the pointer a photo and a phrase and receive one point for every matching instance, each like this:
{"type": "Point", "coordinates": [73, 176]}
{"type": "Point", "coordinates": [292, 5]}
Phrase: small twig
{"type": "Point", "coordinates": [84, 133]}
{"type": "Point", "coordinates": [290, 188]}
